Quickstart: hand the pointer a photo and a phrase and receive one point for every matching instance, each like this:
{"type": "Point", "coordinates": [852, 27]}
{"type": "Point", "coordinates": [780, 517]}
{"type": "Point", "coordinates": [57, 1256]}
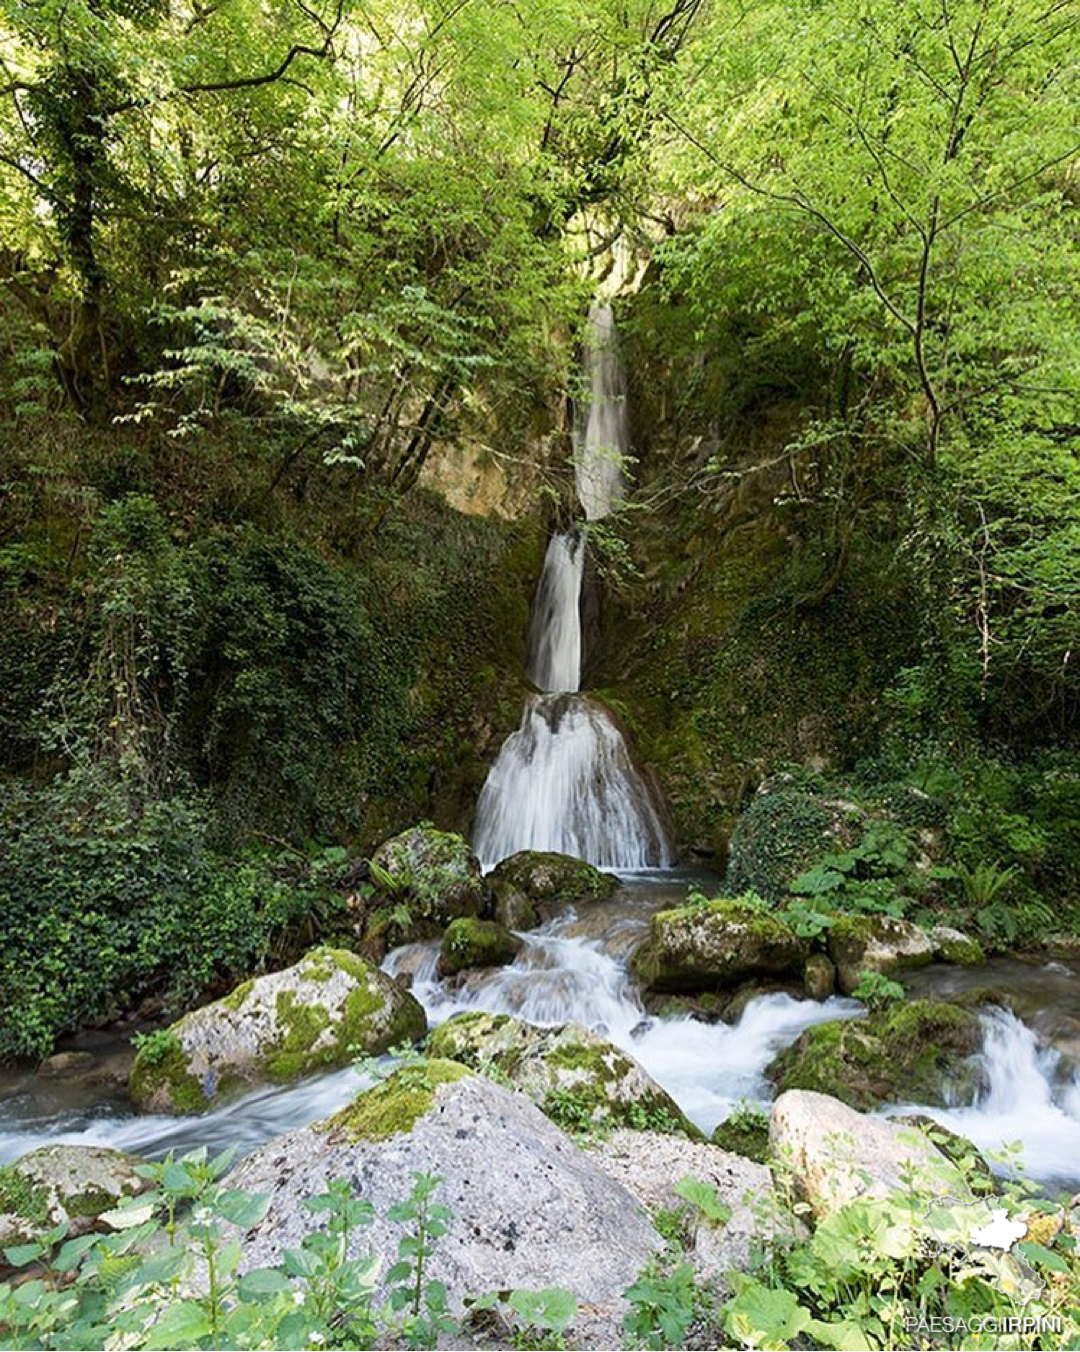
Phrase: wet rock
{"type": "Point", "coordinates": [313, 1015]}
{"type": "Point", "coordinates": [433, 875]}
{"type": "Point", "coordinates": [650, 1166]}
{"type": "Point", "coordinates": [512, 907]}
{"type": "Point", "coordinates": [715, 944]}
{"type": "Point", "coordinates": [951, 945]}
{"type": "Point", "coordinates": [835, 1154]}
{"type": "Point", "coordinates": [64, 1064]}
{"type": "Point", "coordinates": [471, 943]}
{"type": "Point", "coordinates": [546, 877]}
{"type": "Point", "coordinates": [529, 1208]}
{"type": "Point", "coordinates": [876, 943]}
{"type": "Point", "coordinates": [819, 977]}
{"type": "Point", "coordinates": [63, 1183]}
{"type": "Point", "coordinates": [916, 1051]}
{"type": "Point", "coordinates": [577, 1078]}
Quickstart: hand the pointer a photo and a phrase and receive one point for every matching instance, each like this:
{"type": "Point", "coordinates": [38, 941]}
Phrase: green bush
{"type": "Point", "coordinates": [104, 901]}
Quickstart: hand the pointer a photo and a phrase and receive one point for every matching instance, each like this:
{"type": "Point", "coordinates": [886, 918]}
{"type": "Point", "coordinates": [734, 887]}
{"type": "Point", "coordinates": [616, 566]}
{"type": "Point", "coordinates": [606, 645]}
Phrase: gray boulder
{"type": "Point", "coordinates": [276, 1028]}
{"type": "Point", "coordinates": [63, 1183]}
{"type": "Point", "coordinates": [529, 1209]}
{"type": "Point", "coordinates": [835, 1154]}
{"type": "Point", "coordinates": [434, 875]}
{"type": "Point", "coordinates": [545, 876]}
{"type": "Point", "coordinates": [576, 1077]}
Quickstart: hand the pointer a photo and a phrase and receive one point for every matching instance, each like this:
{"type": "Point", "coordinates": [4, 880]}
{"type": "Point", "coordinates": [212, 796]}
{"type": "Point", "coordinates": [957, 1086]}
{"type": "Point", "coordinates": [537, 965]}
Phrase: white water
{"type": "Point", "coordinates": [565, 781]}
{"type": "Point", "coordinates": [1031, 1097]}
{"type": "Point", "coordinates": [605, 440]}
{"type": "Point", "coordinates": [555, 633]}
{"type": "Point", "coordinates": [562, 978]}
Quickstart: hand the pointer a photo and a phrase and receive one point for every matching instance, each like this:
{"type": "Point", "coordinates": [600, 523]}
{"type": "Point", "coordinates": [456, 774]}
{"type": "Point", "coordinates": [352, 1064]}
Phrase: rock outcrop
{"type": "Point", "coordinates": [575, 1077]}
{"type": "Point", "coordinates": [63, 1183]}
{"type": "Point", "coordinates": [316, 1014]}
{"type": "Point", "coordinates": [876, 943]}
{"type": "Point", "coordinates": [716, 944]}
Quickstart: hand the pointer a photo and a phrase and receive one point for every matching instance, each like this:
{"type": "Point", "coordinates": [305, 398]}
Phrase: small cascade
{"type": "Point", "coordinates": [605, 439]}
{"type": "Point", "coordinates": [555, 633]}
{"type": "Point", "coordinates": [1030, 1094]}
{"type": "Point", "coordinates": [566, 781]}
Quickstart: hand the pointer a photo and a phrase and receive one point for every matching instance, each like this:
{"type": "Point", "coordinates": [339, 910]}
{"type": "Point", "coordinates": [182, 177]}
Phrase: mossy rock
{"type": "Point", "coordinates": [397, 1103]}
{"type": "Point", "coordinates": [314, 1015]}
{"type": "Point", "coordinates": [951, 945]}
{"type": "Point", "coordinates": [782, 833]}
{"type": "Point", "coordinates": [431, 875]}
{"type": "Point", "coordinates": [920, 1051]}
{"type": "Point", "coordinates": [544, 876]}
{"type": "Point", "coordinates": [63, 1184]}
{"type": "Point", "coordinates": [512, 907]}
{"type": "Point", "coordinates": [876, 943]}
{"type": "Point", "coordinates": [716, 944]}
{"type": "Point", "coordinates": [580, 1080]}
{"type": "Point", "coordinates": [476, 943]}
{"type": "Point", "coordinates": [745, 1132]}
{"type": "Point", "coordinates": [819, 977]}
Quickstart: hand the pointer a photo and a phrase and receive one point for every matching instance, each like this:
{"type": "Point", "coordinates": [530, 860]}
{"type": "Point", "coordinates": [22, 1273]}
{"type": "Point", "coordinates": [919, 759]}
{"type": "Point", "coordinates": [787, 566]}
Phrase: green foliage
{"type": "Point", "coordinates": [878, 991]}
{"type": "Point", "coordinates": [104, 901]}
{"type": "Point", "coordinates": [662, 1306]}
{"type": "Point", "coordinates": [745, 1131]}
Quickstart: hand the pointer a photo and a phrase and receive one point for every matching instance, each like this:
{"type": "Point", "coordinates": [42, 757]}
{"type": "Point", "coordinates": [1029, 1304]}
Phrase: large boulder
{"type": "Point", "coordinates": [919, 1051]}
{"type": "Point", "coordinates": [56, 1184]}
{"type": "Point", "coordinates": [313, 1015]}
{"type": "Point", "coordinates": [469, 942]}
{"type": "Point", "coordinates": [876, 943]}
{"type": "Point", "coordinates": [834, 1155]}
{"type": "Point", "coordinates": [433, 876]}
{"type": "Point", "coordinates": [711, 945]}
{"type": "Point", "coordinates": [577, 1078]}
{"type": "Point", "coordinates": [529, 1208]}
{"type": "Point", "coordinates": [546, 877]}
{"type": "Point", "coordinates": [651, 1166]}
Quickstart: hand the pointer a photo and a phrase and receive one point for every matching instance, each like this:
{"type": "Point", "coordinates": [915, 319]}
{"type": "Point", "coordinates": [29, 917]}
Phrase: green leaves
{"type": "Point", "coordinates": [705, 1197]}
{"type": "Point", "coordinates": [764, 1317]}
{"type": "Point", "coordinates": [552, 1310]}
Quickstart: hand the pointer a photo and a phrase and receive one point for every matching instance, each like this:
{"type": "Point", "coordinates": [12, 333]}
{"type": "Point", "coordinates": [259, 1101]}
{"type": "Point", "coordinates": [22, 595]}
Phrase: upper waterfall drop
{"type": "Point", "coordinates": [604, 440]}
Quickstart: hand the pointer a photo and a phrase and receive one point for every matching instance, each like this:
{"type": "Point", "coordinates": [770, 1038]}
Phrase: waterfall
{"type": "Point", "coordinates": [1030, 1094]}
{"type": "Point", "coordinates": [565, 781]}
{"type": "Point", "coordinates": [555, 634]}
{"type": "Point", "coordinates": [605, 440]}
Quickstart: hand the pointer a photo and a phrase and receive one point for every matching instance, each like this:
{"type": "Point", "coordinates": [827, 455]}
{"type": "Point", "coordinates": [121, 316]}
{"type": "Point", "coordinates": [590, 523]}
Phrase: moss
{"type": "Point", "coordinates": [746, 1133]}
{"type": "Point", "coordinates": [303, 1024]}
{"type": "Point", "coordinates": [469, 942]}
{"type": "Point", "coordinates": [963, 952]}
{"type": "Point", "coordinates": [543, 875]}
{"type": "Point", "coordinates": [715, 944]}
{"type": "Point", "coordinates": [235, 999]}
{"type": "Point", "coordinates": [397, 1104]}
{"type": "Point", "coordinates": [916, 1050]}
{"type": "Point", "coordinates": [165, 1066]}
{"type": "Point", "coordinates": [20, 1197]}
{"type": "Point", "coordinates": [90, 1203]}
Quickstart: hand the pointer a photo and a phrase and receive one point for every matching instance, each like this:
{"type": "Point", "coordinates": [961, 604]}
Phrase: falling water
{"type": "Point", "coordinates": [555, 634]}
{"type": "Point", "coordinates": [1031, 1095]}
{"type": "Point", "coordinates": [565, 780]}
{"type": "Point", "coordinates": [605, 439]}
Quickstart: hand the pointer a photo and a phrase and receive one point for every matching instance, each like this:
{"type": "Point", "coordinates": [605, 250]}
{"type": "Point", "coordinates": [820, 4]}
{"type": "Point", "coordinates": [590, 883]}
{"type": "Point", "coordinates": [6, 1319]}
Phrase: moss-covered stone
{"type": "Point", "coordinates": [544, 876]}
{"type": "Point", "coordinates": [63, 1184]}
{"type": "Point", "coordinates": [745, 1132]}
{"type": "Point", "coordinates": [397, 1103]}
{"type": "Point", "coordinates": [782, 833]}
{"type": "Point", "coordinates": [312, 1016]}
{"type": "Point", "coordinates": [920, 1050]}
{"type": "Point", "coordinates": [819, 977]}
{"type": "Point", "coordinates": [716, 944]}
{"type": "Point", "coordinates": [512, 907]}
{"type": "Point", "coordinates": [876, 943]}
{"type": "Point", "coordinates": [21, 1197]}
{"type": "Point", "coordinates": [950, 945]}
{"type": "Point", "coordinates": [431, 877]}
{"type": "Point", "coordinates": [475, 943]}
{"type": "Point", "coordinates": [579, 1079]}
